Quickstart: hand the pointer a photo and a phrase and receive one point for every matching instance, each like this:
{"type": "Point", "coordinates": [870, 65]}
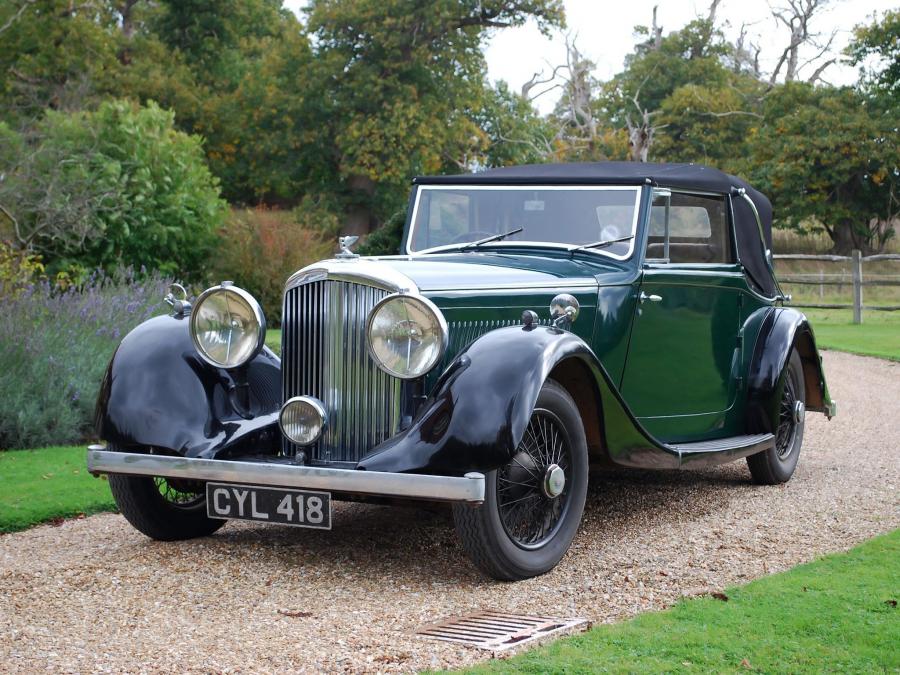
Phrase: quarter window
{"type": "Point", "coordinates": [686, 228]}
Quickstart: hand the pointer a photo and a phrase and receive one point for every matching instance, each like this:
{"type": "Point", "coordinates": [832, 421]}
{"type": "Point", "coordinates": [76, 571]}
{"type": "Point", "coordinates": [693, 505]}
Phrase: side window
{"type": "Point", "coordinates": [686, 228]}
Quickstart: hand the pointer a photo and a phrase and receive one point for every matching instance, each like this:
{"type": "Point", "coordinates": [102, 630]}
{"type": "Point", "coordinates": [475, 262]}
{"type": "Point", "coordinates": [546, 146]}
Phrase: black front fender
{"type": "Point", "coordinates": [158, 392]}
{"type": "Point", "coordinates": [481, 405]}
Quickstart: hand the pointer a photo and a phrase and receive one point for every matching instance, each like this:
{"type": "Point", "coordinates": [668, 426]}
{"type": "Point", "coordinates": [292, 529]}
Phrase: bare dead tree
{"type": "Point", "coordinates": [656, 32]}
{"type": "Point", "coordinates": [536, 81]}
{"type": "Point", "coordinates": [641, 129]}
{"type": "Point", "coordinates": [796, 16]}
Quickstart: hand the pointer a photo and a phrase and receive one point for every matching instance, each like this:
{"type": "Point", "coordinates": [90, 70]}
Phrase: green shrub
{"type": "Point", "coordinates": [54, 347]}
{"type": "Point", "coordinates": [386, 240]}
{"type": "Point", "coordinates": [118, 186]}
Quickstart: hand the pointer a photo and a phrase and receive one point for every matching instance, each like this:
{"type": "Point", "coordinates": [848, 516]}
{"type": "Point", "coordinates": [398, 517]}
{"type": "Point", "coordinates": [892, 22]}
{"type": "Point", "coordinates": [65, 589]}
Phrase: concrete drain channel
{"type": "Point", "coordinates": [499, 631]}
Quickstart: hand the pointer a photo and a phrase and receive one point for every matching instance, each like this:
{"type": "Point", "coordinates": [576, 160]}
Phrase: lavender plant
{"type": "Point", "coordinates": [54, 347]}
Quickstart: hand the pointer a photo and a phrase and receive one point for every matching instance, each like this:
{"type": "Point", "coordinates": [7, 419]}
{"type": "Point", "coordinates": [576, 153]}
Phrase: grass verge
{"type": "Point", "coordinates": [46, 484]}
{"type": "Point", "coordinates": [878, 334]}
{"type": "Point", "coordinates": [273, 340]}
{"type": "Point", "coordinates": [837, 614]}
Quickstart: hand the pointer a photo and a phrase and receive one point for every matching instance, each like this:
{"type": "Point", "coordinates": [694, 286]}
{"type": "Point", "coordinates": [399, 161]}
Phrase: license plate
{"type": "Point", "coordinates": [300, 508]}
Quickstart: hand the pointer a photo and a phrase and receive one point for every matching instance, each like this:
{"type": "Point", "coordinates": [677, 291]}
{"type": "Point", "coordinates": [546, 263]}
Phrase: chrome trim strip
{"type": "Point", "coordinates": [365, 271]}
{"type": "Point", "coordinates": [407, 485]}
{"type": "Point", "coordinates": [621, 188]}
{"type": "Point", "coordinates": [762, 240]}
{"type": "Point", "coordinates": [557, 285]}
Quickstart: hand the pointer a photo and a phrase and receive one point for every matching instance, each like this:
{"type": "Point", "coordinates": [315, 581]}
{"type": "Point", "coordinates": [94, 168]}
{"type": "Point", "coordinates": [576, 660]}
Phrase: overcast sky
{"type": "Point", "coordinates": [604, 33]}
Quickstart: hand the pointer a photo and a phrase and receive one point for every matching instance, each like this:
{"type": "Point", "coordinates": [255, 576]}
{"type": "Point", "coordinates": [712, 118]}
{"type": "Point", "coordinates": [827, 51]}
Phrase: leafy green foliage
{"type": "Point", "coordinates": [842, 176]}
{"type": "Point", "coordinates": [879, 41]}
{"type": "Point", "coordinates": [53, 355]}
{"type": "Point", "coordinates": [394, 80]}
{"type": "Point", "coordinates": [260, 248]}
{"type": "Point", "coordinates": [46, 484]}
{"type": "Point", "coordinates": [386, 240]}
{"type": "Point", "coordinates": [119, 186]}
{"type": "Point", "coordinates": [835, 614]}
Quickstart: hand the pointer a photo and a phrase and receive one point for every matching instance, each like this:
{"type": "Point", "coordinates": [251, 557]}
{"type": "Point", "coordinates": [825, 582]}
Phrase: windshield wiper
{"type": "Point", "coordinates": [601, 244]}
{"type": "Point", "coordinates": [493, 237]}
{"type": "Point", "coordinates": [464, 246]}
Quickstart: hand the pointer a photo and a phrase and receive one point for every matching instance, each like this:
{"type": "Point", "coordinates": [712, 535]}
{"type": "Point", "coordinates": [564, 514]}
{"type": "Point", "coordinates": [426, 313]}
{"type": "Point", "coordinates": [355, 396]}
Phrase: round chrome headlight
{"type": "Point", "coordinates": [407, 335]}
{"type": "Point", "coordinates": [302, 419]}
{"type": "Point", "coordinates": [227, 326]}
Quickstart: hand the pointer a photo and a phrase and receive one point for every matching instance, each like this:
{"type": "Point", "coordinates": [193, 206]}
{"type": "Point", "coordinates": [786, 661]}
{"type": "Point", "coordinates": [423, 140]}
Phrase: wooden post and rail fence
{"type": "Point", "coordinates": [856, 279]}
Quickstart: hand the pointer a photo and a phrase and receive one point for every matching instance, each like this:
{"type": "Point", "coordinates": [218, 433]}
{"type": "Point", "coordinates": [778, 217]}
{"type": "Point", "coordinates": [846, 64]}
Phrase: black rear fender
{"type": "Point", "coordinates": [783, 329]}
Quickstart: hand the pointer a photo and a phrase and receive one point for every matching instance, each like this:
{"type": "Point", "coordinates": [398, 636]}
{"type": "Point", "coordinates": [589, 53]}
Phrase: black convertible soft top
{"type": "Point", "coordinates": [678, 176]}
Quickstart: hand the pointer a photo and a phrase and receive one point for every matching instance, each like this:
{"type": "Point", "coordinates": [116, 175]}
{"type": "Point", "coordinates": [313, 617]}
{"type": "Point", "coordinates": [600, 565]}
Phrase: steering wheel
{"type": "Point", "coordinates": [475, 235]}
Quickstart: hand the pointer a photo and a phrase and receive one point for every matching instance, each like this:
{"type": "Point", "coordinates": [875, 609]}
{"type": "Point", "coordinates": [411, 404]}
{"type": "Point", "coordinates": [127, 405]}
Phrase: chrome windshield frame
{"type": "Point", "coordinates": [449, 248]}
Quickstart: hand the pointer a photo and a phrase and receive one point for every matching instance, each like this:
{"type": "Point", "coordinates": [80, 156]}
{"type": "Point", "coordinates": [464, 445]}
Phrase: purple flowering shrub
{"type": "Point", "coordinates": [54, 348]}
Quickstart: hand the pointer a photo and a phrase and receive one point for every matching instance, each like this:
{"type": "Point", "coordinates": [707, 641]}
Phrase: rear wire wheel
{"type": "Point", "coordinates": [166, 509]}
{"type": "Point", "coordinates": [777, 464]}
{"type": "Point", "coordinates": [534, 503]}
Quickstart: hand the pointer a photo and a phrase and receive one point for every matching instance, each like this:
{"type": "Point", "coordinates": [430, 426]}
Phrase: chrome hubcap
{"type": "Point", "coordinates": [799, 412]}
{"type": "Point", "coordinates": [554, 481]}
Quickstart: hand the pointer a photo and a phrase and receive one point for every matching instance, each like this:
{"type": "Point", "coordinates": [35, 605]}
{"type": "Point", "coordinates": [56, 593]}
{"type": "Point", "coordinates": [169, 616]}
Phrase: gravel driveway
{"type": "Point", "coordinates": [94, 595]}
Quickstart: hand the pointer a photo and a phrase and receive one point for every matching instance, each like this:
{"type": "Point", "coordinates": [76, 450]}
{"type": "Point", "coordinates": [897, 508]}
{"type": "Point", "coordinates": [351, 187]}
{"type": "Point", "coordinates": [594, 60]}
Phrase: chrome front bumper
{"type": "Point", "coordinates": [469, 488]}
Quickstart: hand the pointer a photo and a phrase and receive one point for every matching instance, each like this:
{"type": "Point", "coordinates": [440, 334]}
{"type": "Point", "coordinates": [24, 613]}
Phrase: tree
{"type": "Point", "coordinates": [393, 81]}
{"type": "Point", "coordinates": [878, 42]}
{"type": "Point", "coordinates": [119, 186]}
{"type": "Point", "coordinates": [826, 159]}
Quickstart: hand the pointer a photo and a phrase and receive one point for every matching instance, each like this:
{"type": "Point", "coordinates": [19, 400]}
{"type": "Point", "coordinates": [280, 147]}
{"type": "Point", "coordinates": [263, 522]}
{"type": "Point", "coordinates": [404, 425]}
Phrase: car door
{"type": "Point", "coordinates": [682, 370]}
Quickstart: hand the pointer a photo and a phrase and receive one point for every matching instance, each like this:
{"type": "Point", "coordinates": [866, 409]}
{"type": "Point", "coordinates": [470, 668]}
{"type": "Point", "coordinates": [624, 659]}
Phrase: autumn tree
{"type": "Point", "coordinates": [393, 80]}
{"type": "Point", "coordinates": [879, 42]}
{"type": "Point", "coordinates": [828, 160]}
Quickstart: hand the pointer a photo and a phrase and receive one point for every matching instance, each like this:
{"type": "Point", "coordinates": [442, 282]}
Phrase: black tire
{"type": "Point", "coordinates": [777, 464]}
{"type": "Point", "coordinates": [166, 510]}
{"type": "Point", "coordinates": [507, 543]}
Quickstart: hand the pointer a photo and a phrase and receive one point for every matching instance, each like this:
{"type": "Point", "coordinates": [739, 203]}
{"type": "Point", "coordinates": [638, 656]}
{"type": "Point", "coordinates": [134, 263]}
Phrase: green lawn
{"type": "Point", "coordinates": [838, 614]}
{"type": "Point", "coordinates": [49, 483]}
{"type": "Point", "coordinates": [878, 334]}
{"type": "Point", "coordinates": [273, 340]}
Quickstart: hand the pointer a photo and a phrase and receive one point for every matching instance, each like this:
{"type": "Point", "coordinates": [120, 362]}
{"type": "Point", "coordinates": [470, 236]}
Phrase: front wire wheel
{"type": "Point", "coordinates": [534, 503]}
{"type": "Point", "coordinates": [166, 509]}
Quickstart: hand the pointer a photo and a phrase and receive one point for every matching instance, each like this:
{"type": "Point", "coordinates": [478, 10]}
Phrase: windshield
{"type": "Point", "coordinates": [446, 215]}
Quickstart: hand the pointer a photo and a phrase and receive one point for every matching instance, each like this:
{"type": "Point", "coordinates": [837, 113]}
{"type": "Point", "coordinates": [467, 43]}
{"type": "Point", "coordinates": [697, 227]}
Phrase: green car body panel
{"type": "Point", "coordinates": [666, 373]}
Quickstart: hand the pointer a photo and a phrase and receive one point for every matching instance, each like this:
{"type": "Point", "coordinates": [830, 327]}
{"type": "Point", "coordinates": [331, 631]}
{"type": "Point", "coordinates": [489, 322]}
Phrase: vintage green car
{"type": "Point", "coordinates": [538, 319]}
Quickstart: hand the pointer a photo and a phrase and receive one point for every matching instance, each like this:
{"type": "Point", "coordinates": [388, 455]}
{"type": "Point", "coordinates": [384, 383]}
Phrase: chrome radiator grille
{"type": "Point", "coordinates": [323, 352]}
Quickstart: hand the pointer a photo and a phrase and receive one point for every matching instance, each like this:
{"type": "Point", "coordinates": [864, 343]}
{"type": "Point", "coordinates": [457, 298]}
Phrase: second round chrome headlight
{"type": "Point", "coordinates": [227, 326]}
{"type": "Point", "coordinates": [407, 335]}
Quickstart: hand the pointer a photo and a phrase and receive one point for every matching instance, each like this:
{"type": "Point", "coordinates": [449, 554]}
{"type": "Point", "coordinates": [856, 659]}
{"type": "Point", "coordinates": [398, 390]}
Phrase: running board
{"type": "Point", "coordinates": [721, 450]}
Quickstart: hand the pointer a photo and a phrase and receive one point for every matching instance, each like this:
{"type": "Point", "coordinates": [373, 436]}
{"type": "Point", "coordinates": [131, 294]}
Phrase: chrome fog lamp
{"type": "Point", "coordinates": [227, 326]}
{"type": "Point", "coordinates": [407, 335]}
{"type": "Point", "coordinates": [302, 420]}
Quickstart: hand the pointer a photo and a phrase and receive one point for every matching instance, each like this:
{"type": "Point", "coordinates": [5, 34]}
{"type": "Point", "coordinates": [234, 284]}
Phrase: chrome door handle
{"type": "Point", "coordinates": [643, 297]}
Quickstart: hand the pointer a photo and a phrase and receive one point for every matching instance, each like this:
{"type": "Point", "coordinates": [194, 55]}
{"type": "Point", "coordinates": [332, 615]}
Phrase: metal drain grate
{"type": "Point", "coordinates": [498, 631]}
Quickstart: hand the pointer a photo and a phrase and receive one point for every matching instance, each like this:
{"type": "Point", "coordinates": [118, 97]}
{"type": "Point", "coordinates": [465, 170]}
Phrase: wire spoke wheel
{"type": "Point", "coordinates": [179, 493]}
{"type": "Point", "coordinates": [532, 489]}
{"type": "Point", "coordinates": [787, 419]}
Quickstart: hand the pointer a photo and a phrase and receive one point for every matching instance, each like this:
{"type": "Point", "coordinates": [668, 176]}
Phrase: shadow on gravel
{"type": "Point", "coordinates": [410, 544]}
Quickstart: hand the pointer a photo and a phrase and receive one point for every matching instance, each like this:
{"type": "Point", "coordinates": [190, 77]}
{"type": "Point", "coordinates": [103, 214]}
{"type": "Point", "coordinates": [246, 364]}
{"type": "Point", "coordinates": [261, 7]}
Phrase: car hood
{"type": "Point", "coordinates": [488, 270]}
